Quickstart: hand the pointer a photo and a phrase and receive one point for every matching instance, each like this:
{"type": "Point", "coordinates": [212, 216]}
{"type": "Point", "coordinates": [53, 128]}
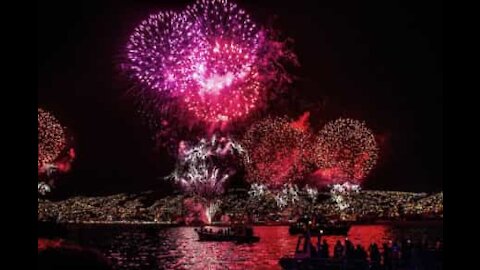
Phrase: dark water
{"type": "Point", "coordinates": [137, 247]}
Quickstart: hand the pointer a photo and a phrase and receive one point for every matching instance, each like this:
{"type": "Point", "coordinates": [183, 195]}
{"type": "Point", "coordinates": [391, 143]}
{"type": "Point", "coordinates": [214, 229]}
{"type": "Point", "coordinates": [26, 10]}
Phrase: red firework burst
{"type": "Point", "coordinates": [276, 152]}
{"type": "Point", "coordinates": [345, 150]}
{"type": "Point", "coordinates": [51, 138]}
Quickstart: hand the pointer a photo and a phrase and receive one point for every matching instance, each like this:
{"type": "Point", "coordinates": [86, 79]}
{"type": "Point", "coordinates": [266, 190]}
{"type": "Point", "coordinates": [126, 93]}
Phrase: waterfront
{"type": "Point", "coordinates": [146, 247]}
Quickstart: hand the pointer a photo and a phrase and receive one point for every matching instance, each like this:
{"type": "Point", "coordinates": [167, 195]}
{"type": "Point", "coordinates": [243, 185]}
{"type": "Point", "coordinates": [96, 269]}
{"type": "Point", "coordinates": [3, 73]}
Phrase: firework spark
{"type": "Point", "coordinates": [288, 195]}
{"type": "Point", "coordinates": [211, 58]}
{"type": "Point", "coordinates": [55, 155]}
{"type": "Point", "coordinates": [211, 210]}
{"type": "Point", "coordinates": [345, 150]}
{"type": "Point", "coordinates": [257, 190]}
{"type": "Point", "coordinates": [284, 196]}
{"type": "Point", "coordinates": [340, 194]}
{"type": "Point", "coordinates": [43, 188]}
{"type": "Point", "coordinates": [276, 152]}
{"type": "Point", "coordinates": [51, 138]}
{"type": "Point", "coordinates": [311, 192]}
{"type": "Point", "coordinates": [203, 169]}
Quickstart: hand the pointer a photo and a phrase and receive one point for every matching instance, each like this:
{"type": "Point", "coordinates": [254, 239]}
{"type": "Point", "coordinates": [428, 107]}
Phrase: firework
{"type": "Point", "coordinates": [276, 152]}
{"type": "Point", "coordinates": [204, 168]}
{"type": "Point", "coordinates": [257, 190]}
{"type": "Point", "coordinates": [211, 210]}
{"type": "Point", "coordinates": [55, 155]}
{"type": "Point", "coordinates": [51, 139]}
{"type": "Point", "coordinates": [345, 150]}
{"type": "Point", "coordinates": [211, 58]}
{"type": "Point", "coordinates": [281, 197]}
{"type": "Point", "coordinates": [340, 194]}
{"type": "Point", "coordinates": [43, 188]}
{"type": "Point", "coordinates": [287, 195]}
{"type": "Point", "coordinates": [311, 192]}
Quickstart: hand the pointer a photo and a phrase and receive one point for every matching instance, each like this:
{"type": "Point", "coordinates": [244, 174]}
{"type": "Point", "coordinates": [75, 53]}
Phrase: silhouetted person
{"type": "Point", "coordinates": [415, 260]}
{"type": "Point", "coordinates": [387, 257]}
{"type": "Point", "coordinates": [338, 250]}
{"type": "Point", "coordinates": [360, 258]}
{"type": "Point", "coordinates": [349, 250]}
{"type": "Point", "coordinates": [425, 243]}
{"type": "Point", "coordinates": [438, 244]}
{"type": "Point", "coordinates": [325, 250]}
{"type": "Point", "coordinates": [313, 251]}
{"type": "Point", "coordinates": [395, 254]}
{"type": "Point", "coordinates": [440, 252]}
{"type": "Point", "coordinates": [364, 255]}
{"type": "Point", "coordinates": [406, 252]}
{"type": "Point", "coordinates": [375, 256]}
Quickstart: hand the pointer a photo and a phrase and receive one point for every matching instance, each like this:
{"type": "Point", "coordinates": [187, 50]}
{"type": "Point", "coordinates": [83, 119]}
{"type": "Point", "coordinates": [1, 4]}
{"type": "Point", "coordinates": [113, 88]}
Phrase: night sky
{"type": "Point", "coordinates": [378, 61]}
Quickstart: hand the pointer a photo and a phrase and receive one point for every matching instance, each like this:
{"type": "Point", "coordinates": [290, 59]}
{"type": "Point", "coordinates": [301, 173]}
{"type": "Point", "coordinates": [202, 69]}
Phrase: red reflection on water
{"type": "Point", "coordinates": [278, 240]}
{"type": "Point", "coordinates": [362, 235]}
{"type": "Point", "coordinates": [275, 242]}
{"type": "Point", "coordinates": [178, 248]}
{"type": "Point", "coordinates": [47, 243]}
{"type": "Point", "coordinates": [44, 244]}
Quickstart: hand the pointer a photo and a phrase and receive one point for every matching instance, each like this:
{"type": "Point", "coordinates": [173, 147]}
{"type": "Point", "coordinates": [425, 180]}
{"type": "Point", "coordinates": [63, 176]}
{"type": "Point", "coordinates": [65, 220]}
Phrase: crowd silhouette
{"type": "Point", "coordinates": [396, 255]}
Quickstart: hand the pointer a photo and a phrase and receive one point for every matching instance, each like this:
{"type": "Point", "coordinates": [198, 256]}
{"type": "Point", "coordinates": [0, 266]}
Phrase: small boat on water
{"type": "Point", "coordinates": [238, 234]}
{"type": "Point", "coordinates": [325, 229]}
{"type": "Point", "coordinates": [308, 257]}
{"type": "Point", "coordinates": [319, 226]}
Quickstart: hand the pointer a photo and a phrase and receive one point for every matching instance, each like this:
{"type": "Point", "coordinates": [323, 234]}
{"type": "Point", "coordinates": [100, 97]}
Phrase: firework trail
{"type": "Point", "coordinates": [211, 210]}
{"type": "Point", "coordinates": [204, 168]}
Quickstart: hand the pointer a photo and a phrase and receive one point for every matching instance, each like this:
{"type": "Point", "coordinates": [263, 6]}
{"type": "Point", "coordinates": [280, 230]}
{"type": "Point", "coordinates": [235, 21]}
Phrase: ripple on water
{"type": "Point", "coordinates": [178, 248]}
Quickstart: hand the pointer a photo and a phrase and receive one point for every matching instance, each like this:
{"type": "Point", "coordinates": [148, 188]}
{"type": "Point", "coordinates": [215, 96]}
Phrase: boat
{"type": "Point", "coordinates": [319, 226]}
{"type": "Point", "coordinates": [325, 229]}
{"type": "Point", "coordinates": [238, 234]}
{"type": "Point", "coordinates": [306, 256]}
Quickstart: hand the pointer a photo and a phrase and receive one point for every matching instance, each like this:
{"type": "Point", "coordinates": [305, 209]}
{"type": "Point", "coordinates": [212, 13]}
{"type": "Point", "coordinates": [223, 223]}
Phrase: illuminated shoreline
{"type": "Point", "coordinates": [365, 207]}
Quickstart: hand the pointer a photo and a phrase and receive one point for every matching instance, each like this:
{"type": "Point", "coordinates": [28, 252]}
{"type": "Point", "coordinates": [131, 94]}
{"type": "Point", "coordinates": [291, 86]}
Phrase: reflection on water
{"type": "Point", "coordinates": [178, 248]}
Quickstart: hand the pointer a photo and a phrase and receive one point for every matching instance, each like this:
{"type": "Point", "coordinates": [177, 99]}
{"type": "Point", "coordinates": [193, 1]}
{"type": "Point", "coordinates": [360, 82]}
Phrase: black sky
{"type": "Point", "coordinates": [379, 61]}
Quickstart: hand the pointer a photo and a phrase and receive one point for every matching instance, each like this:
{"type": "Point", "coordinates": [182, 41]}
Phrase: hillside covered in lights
{"type": "Point", "coordinates": [138, 208]}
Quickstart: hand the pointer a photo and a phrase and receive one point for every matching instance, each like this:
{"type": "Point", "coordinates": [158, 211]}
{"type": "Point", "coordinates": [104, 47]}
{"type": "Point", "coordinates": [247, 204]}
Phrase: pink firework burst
{"type": "Point", "coordinates": [211, 58]}
{"type": "Point", "coordinates": [155, 46]}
